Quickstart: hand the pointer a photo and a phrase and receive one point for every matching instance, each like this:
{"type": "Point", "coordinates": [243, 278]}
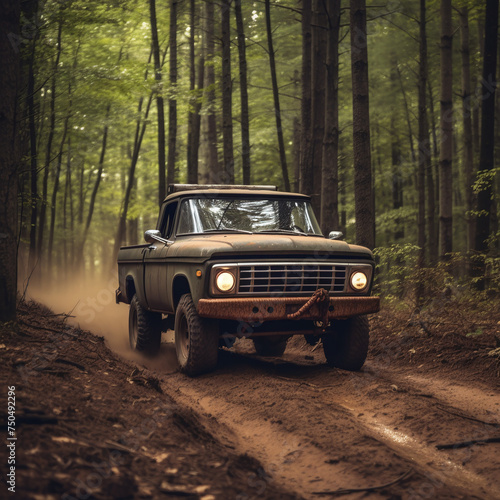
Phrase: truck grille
{"type": "Point", "coordinates": [291, 278]}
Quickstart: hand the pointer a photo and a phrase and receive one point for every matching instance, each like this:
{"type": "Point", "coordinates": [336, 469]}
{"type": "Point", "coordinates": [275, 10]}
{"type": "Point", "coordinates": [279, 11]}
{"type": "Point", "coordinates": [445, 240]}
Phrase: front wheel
{"type": "Point", "coordinates": [346, 346]}
{"type": "Point", "coordinates": [196, 339]}
{"type": "Point", "coordinates": [144, 328]}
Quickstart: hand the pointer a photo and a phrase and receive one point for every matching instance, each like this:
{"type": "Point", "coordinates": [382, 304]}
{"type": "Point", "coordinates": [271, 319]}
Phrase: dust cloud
{"type": "Point", "coordinates": [92, 303]}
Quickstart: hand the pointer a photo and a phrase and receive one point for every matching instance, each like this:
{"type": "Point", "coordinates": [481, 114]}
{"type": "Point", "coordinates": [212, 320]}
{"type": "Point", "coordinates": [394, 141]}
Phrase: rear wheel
{"type": "Point", "coordinates": [270, 346]}
{"type": "Point", "coordinates": [346, 346]}
{"type": "Point", "coordinates": [196, 339]}
{"type": "Point", "coordinates": [144, 328]}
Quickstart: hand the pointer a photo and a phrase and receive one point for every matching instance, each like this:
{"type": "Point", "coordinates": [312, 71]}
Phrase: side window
{"type": "Point", "coordinates": [167, 226]}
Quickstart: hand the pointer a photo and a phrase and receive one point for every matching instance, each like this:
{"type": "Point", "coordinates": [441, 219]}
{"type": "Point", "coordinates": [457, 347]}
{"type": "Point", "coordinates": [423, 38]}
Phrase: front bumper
{"type": "Point", "coordinates": [254, 310]}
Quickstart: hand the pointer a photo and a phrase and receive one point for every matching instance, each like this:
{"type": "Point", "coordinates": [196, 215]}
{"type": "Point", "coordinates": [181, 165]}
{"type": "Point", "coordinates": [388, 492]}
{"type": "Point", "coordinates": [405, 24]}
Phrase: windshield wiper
{"type": "Point", "coordinates": [284, 231]}
{"type": "Point", "coordinates": [222, 229]}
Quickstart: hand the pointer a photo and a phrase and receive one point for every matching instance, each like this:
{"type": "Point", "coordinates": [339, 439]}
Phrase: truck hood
{"type": "Point", "coordinates": [207, 246]}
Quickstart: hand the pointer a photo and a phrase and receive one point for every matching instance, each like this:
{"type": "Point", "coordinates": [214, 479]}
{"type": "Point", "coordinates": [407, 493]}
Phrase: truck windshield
{"type": "Point", "coordinates": [205, 215]}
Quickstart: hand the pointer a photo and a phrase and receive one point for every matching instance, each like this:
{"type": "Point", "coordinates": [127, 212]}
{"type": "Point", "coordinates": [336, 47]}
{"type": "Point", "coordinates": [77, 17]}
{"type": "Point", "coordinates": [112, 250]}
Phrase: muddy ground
{"type": "Point", "coordinates": [91, 424]}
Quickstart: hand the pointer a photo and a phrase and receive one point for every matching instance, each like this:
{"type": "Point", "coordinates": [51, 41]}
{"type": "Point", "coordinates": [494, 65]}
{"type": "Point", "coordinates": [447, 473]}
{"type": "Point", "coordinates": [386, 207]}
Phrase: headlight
{"type": "Point", "coordinates": [225, 281]}
{"type": "Point", "coordinates": [359, 280]}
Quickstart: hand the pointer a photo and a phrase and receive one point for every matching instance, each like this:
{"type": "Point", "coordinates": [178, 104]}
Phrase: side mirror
{"type": "Point", "coordinates": [152, 235]}
{"type": "Point", "coordinates": [336, 235]}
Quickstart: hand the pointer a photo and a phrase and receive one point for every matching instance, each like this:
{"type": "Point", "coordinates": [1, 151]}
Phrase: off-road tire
{"type": "Point", "coordinates": [269, 347]}
{"type": "Point", "coordinates": [346, 345]}
{"type": "Point", "coordinates": [196, 339]}
{"type": "Point", "coordinates": [144, 328]}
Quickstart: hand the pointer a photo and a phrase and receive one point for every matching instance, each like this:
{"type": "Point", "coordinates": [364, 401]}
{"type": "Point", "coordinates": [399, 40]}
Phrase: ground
{"type": "Point", "coordinates": [91, 424]}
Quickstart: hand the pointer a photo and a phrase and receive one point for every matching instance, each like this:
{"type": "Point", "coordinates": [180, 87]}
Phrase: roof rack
{"type": "Point", "coordinates": [175, 188]}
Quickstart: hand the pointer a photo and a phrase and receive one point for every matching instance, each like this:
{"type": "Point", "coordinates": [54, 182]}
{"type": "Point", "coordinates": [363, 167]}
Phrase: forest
{"type": "Point", "coordinates": [384, 112]}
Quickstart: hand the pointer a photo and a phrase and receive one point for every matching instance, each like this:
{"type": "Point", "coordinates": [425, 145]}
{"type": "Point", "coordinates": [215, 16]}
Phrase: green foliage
{"type": "Point", "coordinates": [399, 279]}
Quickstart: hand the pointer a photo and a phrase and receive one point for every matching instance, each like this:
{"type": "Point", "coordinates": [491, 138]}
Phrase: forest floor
{"type": "Point", "coordinates": [91, 424]}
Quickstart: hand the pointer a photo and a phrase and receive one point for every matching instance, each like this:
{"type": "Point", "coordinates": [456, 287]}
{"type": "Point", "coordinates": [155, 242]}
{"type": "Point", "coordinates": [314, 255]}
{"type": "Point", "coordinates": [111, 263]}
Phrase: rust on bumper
{"type": "Point", "coordinates": [278, 308]}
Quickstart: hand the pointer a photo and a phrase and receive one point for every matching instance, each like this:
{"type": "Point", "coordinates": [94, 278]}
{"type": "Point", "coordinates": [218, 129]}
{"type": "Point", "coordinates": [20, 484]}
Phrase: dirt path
{"type": "Point", "coordinates": [316, 429]}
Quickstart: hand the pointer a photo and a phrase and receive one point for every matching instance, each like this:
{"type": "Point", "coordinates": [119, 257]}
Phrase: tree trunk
{"type": "Point", "coordinates": [330, 168]}
{"type": "Point", "coordinates": [98, 178]}
{"type": "Point", "coordinates": [446, 125]}
{"type": "Point", "coordinates": [296, 154]}
{"type": "Point", "coordinates": [33, 255]}
{"type": "Point", "coordinates": [159, 102]}
{"type": "Point", "coordinates": [9, 157]}
{"type": "Point", "coordinates": [192, 168]}
{"type": "Point", "coordinates": [363, 193]}
{"type": "Point", "coordinates": [424, 151]}
{"type": "Point", "coordinates": [486, 158]}
{"type": "Point", "coordinates": [407, 114]}
{"type": "Point", "coordinates": [397, 178]}
{"type": "Point", "coordinates": [227, 174]}
{"type": "Point", "coordinates": [468, 148]}
{"type": "Point", "coordinates": [122, 223]}
{"type": "Point", "coordinates": [195, 138]}
{"type": "Point", "coordinates": [209, 97]}
{"type": "Point", "coordinates": [276, 97]}
{"type": "Point", "coordinates": [306, 179]}
{"type": "Point", "coordinates": [318, 82]}
{"type": "Point", "coordinates": [432, 185]}
{"type": "Point", "coordinates": [55, 190]}
{"type": "Point", "coordinates": [172, 102]}
{"type": "Point", "coordinates": [245, 116]}
{"type": "Point", "coordinates": [48, 151]}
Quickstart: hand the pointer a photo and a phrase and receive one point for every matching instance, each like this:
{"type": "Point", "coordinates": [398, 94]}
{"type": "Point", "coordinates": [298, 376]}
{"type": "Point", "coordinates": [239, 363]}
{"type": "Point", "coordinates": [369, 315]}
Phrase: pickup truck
{"type": "Point", "coordinates": [227, 262]}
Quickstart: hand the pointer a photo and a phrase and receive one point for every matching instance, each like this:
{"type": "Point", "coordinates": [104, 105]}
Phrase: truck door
{"type": "Point", "coordinates": [155, 262]}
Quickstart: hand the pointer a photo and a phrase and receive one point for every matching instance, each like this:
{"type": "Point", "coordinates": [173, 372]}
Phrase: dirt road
{"type": "Point", "coordinates": [315, 429]}
{"type": "Point", "coordinates": [95, 425]}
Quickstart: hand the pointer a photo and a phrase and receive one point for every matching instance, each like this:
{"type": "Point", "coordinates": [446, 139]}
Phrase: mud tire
{"type": "Point", "coordinates": [144, 329]}
{"type": "Point", "coordinates": [270, 347]}
{"type": "Point", "coordinates": [196, 339]}
{"type": "Point", "coordinates": [346, 346]}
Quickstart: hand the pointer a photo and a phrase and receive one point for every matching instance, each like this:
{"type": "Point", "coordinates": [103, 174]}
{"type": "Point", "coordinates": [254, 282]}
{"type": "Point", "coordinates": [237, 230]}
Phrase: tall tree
{"type": "Point", "coordinates": [139, 135]}
{"type": "Point", "coordinates": [432, 184]}
{"type": "Point", "coordinates": [330, 168]}
{"type": "Point", "coordinates": [192, 168]}
{"type": "Point", "coordinates": [9, 157]}
{"type": "Point", "coordinates": [33, 257]}
{"type": "Point", "coordinates": [227, 174]}
{"type": "Point", "coordinates": [446, 125]}
{"type": "Point", "coordinates": [245, 115]}
{"type": "Point", "coordinates": [172, 101]}
{"type": "Point", "coordinates": [159, 102]}
{"type": "Point", "coordinates": [98, 178]}
{"type": "Point", "coordinates": [50, 139]}
{"type": "Point", "coordinates": [363, 192]}
{"type": "Point", "coordinates": [276, 97]}
{"type": "Point", "coordinates": [468, 147]}
{"type": "Point", "coordinates": [209, 94]}
{"type": "Point", "coordinates": [487, 153]}
{"type": "Point", "coordinates": [306, 179]}
{"type": "Point", "coordinates": [318, 83]}
{"type": "Point", "coordinates": [55, 188]}
{"type": "Point", "coordinates": [424, 151]}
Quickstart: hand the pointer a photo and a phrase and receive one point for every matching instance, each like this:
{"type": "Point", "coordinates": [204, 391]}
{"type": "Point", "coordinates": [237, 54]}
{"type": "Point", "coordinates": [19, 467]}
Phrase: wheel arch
{"type": "Point", "coordinates": [180, 286]}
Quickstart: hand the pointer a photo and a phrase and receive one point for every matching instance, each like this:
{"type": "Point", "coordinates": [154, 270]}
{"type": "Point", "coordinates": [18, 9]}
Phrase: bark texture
{"type": "Point", "coordinates": [172, 101]}
{"type": "Point", "coordinates": [363, 192]}
{"type": "Point", "coordinates": [227, 174]}
{"type": "Point", "coordinates": [245, 114]}
{"type": "Point", "coordinates": [487, 153]}
{"type": "Point", "coordinates": [329, 167]}
{"type": "Point", "coordinates": [276, 97]}
{"type": "Point", "coordinates": [9, 158]}
{"type": "Point", "coordinates": [446, 125]}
